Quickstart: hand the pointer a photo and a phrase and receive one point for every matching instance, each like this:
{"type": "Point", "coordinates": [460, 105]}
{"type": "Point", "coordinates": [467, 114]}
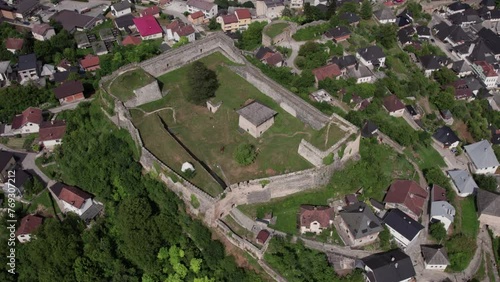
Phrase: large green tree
{"type": "Point", "coordinates": [366, 11]}
{"type": "Point", "coordinates": [202, 82]}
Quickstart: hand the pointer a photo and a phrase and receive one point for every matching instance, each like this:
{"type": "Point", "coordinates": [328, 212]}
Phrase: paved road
{"type": "Point", "coordinates": [452, 161]}
{"type": "Point", "coordinates": [29, 163]}
{"type": "Point", "coordinates": [71, 106]}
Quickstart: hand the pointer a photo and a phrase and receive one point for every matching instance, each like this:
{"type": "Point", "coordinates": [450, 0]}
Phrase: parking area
{"type": "Point", "coordinates": [452, 161]}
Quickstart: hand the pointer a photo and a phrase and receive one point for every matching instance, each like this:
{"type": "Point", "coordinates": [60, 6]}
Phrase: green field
{"type": "Point", "coordinates": [213, 138]}
{"type": "Point", "coordinates": [44, 202]}
{"type": "Point", "coordinates": [124, 85]}
{"type": "Point", "coordinates": [373, 178]}
{"type": "Point", "coordinates": [275, 29]}
{"type": "Point", "coordinates": [427, 157]}
{"type": "Point", "coordinates": [468, 218]}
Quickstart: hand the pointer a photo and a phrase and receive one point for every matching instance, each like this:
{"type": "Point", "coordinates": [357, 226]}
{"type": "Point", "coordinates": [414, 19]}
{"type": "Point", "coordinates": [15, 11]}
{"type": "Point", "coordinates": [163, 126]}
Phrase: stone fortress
{"type": "Point", "coordinates": [252, 191]}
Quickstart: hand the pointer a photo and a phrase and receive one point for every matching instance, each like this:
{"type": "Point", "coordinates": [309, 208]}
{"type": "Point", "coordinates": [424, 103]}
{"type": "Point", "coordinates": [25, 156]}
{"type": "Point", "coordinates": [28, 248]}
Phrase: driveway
{"type": "Point", "coordinates": [452, 161]}
{"type": "Point", "coordinates": [28, 163]}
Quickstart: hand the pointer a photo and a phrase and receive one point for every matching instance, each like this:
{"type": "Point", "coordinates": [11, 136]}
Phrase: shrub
{"type": "Point", "coordinates": [194, 201]}
{"type": "Point", "coordinates": [328, 159]}
{"type": "Point", "coordinates": [245, 154]}
{"type": "Point", "coordinates": [189, 173]}
{"type": "Point", "coordinates": [437, 231]}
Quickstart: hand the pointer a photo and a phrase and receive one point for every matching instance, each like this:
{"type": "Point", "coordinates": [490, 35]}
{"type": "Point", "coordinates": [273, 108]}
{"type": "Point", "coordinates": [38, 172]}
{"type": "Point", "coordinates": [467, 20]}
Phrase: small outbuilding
{"type": "Point", "coordinates": [435, 257]}
{"type": "Point", "coordinates": [187, 166]}
{"type": "Point", "coordinates": [256, 118]}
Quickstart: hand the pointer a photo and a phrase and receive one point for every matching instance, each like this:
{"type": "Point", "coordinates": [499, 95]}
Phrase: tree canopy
{"type": "Point", "coordinates": [202, 82]}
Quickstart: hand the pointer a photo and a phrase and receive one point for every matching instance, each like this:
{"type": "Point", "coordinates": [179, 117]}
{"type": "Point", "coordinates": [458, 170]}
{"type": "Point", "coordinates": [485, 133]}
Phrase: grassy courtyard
{"type": "Point", "coordinates": [275, 29]}
{"type": "Point", "coordinates": [366, 174]}
{"type": "Point", "coordinates": [213, 138]}
{"type": "Point", "coordinates": [124, 85]}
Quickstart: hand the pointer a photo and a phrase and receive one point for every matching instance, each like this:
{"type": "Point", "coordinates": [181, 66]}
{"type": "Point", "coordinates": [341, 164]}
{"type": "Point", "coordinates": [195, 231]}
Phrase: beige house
{"type": "Point", "coordinates": [255, 118]}
{"type": "Point", "coordinates": [315, 218]}
{"type": "Point", "coordinates": [488, 210]}
{"type": "Point", "coordinates": [359, 225]}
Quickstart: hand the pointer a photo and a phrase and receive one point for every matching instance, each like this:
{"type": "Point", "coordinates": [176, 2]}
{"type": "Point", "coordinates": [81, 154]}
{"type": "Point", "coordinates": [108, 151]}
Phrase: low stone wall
{"type": "Point", "coordinates": [145, 94]}
{"type": "Point", "coordinates": [241, 243]}
{"type": "Point", "coordinates": [176, 58]}
{"type": "Point", "coordinates": [283, 36]}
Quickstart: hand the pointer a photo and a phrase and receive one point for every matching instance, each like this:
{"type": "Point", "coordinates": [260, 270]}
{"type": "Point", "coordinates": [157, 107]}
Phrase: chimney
{"type": "Point", "coordinates": [396, 265]}
{"type": "Point", "coordinates": [393, 258]}
{"type": "Point", "coordinates": [360, 209]}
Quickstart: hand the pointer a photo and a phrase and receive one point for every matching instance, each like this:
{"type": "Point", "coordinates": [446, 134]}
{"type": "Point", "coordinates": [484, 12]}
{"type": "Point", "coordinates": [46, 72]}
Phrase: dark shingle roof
{"type": "Point", "coordinates": [350, 17]}
{"type": "Point", "coordinates": [27, 62]}
{"type": "Point", "coordinates": [124, 21]}
{"type": "Point", "coordinates": [402, 223]}
{"type": "Point", "coordinates": [345, 61]}
{"type": "Point", "coordinates": [435, 255]}
{"type": "Point", "coordinates": [445, 135]}
{"type": "Point", "coordinates": [371, 53]}
{"type": "Point", "coordinates": [256, 113]}
{"type": "Point", "coordinates": [5, 157]}
{"type": "Point", "coordinates": [338, 31]}
{"type": "Point", "coordinates": [368, 129]}
{"type": "Point", "coordinates": [360, 220]}
{"type": "Point", "coordinates": [68, 88]}
{"type": "Point", "coordinates": [491, 40]}
{"type": "Point", "coordinates": [488, 203]}
{"type": "Point", "coordinates": [120, 6]}
{"type": "Point", "coordinates": [391, 266]}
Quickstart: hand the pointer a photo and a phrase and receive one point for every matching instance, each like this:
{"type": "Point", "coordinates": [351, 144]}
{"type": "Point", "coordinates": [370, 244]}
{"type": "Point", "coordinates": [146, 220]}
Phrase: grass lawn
{"type": "Point", "coordinates": [124, 85]}
{"type": "Point", "coordinates": [427, 157]}
{"type": "Point", "coordinates": [44, 201]}
{"type": "Point", "coordinates": [16, 143]}
{"type": "Point", "coordinates": [213, 138]}
{"type": "Point", "coordinates": [326, 137]}
{"type": "Point", "coordinates": [276, 29]}
{"type": "Point", "coordinates": [238, 229]}
{"type": "Point", "coordinates": [469, 223]}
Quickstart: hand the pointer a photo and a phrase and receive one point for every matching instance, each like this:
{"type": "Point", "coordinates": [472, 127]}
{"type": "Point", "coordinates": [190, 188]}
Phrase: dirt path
{"type": "Point", "coordinates": [292, 135]}
{"type": "Point", "coordinates": [327, 132]}
{"type": "Point", "coordinates": [155, 111]}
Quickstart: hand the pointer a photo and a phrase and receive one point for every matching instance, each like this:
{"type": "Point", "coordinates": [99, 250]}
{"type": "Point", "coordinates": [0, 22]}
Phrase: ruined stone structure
{"type": "Point", "coordinates": [145, 94]}
{"type": "Point", "coordinates": [287, 33]}
{"type": "Point", "coordinates": [253, 191]}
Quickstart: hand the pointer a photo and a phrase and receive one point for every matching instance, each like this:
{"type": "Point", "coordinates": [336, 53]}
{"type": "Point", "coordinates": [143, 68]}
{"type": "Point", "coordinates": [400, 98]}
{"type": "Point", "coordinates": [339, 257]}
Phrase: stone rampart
{"type": "Point", "coordinates": [283, 36]}
{"type": "Point", "coordinates": [176, 58]}
{"type": "Point", "coordinates": [236, 240]}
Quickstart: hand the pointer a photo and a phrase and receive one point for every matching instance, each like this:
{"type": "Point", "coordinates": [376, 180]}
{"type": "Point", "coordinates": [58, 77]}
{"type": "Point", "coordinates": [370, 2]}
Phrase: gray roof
{"type": "Point", "coordinates": [391, 266]}
{"type": "Point", "coordinates": [202, 5]}
{"type": "Point", "coordinates": [5, 67]}
{"type": "Point", "coordinates": [463, 180]}
{"type": "Point", "coordinates": [444, 209]}
{"type": "Point", "coordinates": [461, 66]}
{"type": "Point", "coordinates": [482, 154]}
{"type": "Point", "coordinates": [256, 113]}
{"type": "Point", "coordinates": [360, 220]}
{"type": "Point", "coordinates": [106, 34]}
{"type": "Point", "coordinates": [27, 62]}
{"type": "Point", "coordinates": [488, 203]}
{"type": "Point", "coordinates": [435, 255]}
{"type": "Point", "coordinates": [120, 6]}
{"type": "Point", "coordinates": [371, 53]}
{"type": "Point", "coordinates": [385, 14]}
{"type": "Point", "coordinates": [359, 72]}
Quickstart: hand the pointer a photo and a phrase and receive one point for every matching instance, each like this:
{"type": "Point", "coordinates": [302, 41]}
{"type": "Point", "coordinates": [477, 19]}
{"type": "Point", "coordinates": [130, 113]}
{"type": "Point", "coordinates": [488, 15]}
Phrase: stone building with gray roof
{"type": "Point", "coordinates": [358, 225]}
{"type": "Point", "coordinates": [385, 15]}
{"type": "Point", "coordinates": [462, 182]}
{"type": "Point", "coordinates": [256, 118]}
{"type": "Point", "coordinates": [435, 257]}
{"type": "Point", "coordinates": [482, 156]}
{"type": "Point", "coordinates": [488, 209]}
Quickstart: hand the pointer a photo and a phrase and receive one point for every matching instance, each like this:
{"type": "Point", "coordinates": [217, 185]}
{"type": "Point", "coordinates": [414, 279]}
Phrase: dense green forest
{"type": "Point", "coordinates": [145, 234]}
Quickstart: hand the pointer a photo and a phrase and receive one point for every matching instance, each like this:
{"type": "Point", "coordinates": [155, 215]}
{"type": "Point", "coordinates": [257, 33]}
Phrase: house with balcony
{"type": "Point", "coordinates": [209, 9]}
{"type": "Point", "coordinates": [482, 157]}
{"type": "Point", "coordinates": [486, 73]}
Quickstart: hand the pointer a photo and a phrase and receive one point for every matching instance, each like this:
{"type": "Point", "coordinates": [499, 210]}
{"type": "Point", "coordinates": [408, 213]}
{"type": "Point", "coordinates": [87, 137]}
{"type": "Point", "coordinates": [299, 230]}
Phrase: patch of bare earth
{"type": "Point", "coordinates": [463, 131]}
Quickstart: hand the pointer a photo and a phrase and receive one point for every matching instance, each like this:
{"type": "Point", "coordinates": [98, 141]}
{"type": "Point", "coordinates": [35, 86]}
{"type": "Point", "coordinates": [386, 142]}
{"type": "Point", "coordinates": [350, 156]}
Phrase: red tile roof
{"type": "Point", "coordinates": [328, 71]}
{"type": "Point", "coordinates": [68, 88]}
{"type": "Point", "coordinates": [14, 43]}
{"type": "Point", "coordinates": [393, 104]}
{"type": "Point", "coordinates": [32, 115]}
{"type": "Point", "coordinates": [438, 193]}
{"type": "Point", "coordinates": [89, 61]}
{"type": "Point", "coordinates": [151, 11]}
{"type": "Point", "coordinates": [52, 130]}
{"type": "Point", "coordinates": [407, 193]}
{"type": "Point", "coordinates": [243, 14]}
{"type": "Point", "coordinates": [274, 59]}
{"type": "Point", "coordinates": [488, 69]}
{"type": "Point", "coordinates": [147, 26]}
{"type": "Point", "coordinates": [196, 15]}
{"type": "Point", "coordinates": [71, 195]}
{"type": "Point", "coordinates": [321, 214]}
{"type": "Point", "coordinates": [263, 236]}
{"type": "Point", "coordinates": [131, 40]}
{"type": "Point", "coordinates": [229, 19]}
{"type": "Point", "coordinates": [29, 224]}
{"type": "Point", "coordinates": [180, 28]}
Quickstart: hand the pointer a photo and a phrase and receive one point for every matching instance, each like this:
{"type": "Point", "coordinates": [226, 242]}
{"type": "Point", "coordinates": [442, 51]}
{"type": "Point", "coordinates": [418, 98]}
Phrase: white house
{"type": "Point", "coordinates": [435, 257]}
{"type": "Point", "coordinates": [71, 199]}
{"type": "Point", "coordinates": [315, 218]}
{"type": "Point", "coordinates": [443, 212]}
{"type": "Point", "coordinates": [385, 16]}
{"type": "Point", "coordinates": [394, 106]}
{"type": "Point", "coordinates": [372, 56]}
{"type": "Point", "coordinates": [296, 4]}
{"type": "Point", "coordinates": [27, 122]}
{"type": "Point", "coordinates": [391, 266]}
{"type": "Point", "coordinates": [177, 29]}
{"type": "Point", "coordinates": [121, 9]}
{"type": "Point", "coordinates": [486, 73]}
{"type": "Point", "coordinates": [51, 133]}
{"type": "Point", "coordinates": [209, 9]}
{"type": "Point", "coordinates": [28, 225]}
{"type": "Point", "coordinates": [462, 182]}
{"type": "Point", "coordinates": [402, 227]}
{"type": "Point", "coordinates": [42, 32]}
{"type": "Point", "coordinates": [482, 157]}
